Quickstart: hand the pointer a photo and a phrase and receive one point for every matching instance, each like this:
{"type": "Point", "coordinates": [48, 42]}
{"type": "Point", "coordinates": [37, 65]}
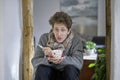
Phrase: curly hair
{"type": "Point", "coordinates": [61, 17]}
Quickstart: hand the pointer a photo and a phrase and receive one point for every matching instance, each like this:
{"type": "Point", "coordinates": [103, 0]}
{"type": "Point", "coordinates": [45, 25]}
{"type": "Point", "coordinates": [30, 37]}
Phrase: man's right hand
{"type": "Point", "coordinates": [48, 51]}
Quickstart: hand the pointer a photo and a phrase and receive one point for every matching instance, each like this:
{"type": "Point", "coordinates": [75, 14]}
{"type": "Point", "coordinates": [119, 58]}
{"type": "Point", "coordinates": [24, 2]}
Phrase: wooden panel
{"type": "Point", "coordinates": [108, 38]}
{"type": "Point", "coordinates": [86, 73]}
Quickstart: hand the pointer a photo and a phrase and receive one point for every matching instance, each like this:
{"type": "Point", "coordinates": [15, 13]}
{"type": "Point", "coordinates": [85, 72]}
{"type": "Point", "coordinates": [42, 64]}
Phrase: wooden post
{"type": "Point", "coordinates": [28, 45]}
{"type": "Point", "coordinates": [108, 38]}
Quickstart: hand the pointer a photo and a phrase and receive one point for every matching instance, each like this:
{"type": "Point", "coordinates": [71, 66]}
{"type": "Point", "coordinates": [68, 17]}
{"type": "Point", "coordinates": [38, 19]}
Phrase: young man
{"type": "Point", "coordinates": [68, 66]}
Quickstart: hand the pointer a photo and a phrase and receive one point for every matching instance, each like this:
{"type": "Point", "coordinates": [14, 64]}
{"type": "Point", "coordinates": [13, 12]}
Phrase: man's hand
{"type": "Point", "coordinates": [56, 61]}
{"type": "Point", "coordinates": [48, 51]}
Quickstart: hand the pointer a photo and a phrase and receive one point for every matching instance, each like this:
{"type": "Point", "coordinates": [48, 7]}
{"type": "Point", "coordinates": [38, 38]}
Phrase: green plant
{"type": "Point", "coordinates": [99, 65]}
{"type": "Point", "coordinates": [90, 45]}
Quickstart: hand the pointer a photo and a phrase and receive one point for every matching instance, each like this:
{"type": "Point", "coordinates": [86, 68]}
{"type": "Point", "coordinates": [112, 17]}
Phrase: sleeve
{"type": "Point", "coordinates": [39, 57]}
{"type": "Point", "coordinates": [76, 57]}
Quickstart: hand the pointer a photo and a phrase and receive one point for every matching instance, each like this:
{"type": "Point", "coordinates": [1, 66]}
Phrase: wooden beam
{"type": "Point", "coordinates": [108, 38]}
{"type": "Point", "coordinates": [28, 46]}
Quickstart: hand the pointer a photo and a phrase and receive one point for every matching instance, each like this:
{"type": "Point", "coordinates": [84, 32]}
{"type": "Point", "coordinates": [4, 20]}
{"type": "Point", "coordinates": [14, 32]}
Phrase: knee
{"type": "Point", "coordinates": [42, 70]}
{"type": "Point", "coordinates": [71, 70]}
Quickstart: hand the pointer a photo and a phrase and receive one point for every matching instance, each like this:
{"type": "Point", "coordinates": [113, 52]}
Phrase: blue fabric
{"type": "Point", "coordinates": [69, 72]}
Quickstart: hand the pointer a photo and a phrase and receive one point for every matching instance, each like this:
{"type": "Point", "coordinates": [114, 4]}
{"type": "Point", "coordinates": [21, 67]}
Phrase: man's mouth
{"type": "Point", "coordinates": [59, 38]}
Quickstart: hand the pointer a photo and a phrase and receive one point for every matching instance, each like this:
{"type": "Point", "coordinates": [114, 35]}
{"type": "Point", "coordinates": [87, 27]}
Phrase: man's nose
{"type": "Point", "coordinates": [59, 32]}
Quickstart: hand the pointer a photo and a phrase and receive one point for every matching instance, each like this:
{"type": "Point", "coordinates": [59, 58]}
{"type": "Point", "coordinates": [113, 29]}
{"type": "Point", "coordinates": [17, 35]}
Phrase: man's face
{"type": "Point", "coordinates": [60, 32]}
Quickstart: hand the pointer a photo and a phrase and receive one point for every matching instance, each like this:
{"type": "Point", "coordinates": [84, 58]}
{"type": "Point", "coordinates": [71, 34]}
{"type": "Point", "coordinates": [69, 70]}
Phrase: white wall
{"type": "Point", "coordinates": [1, 41]}
{"type": "Point", "coordinates": [43, 9]}
{"type": "Point", "coordinates": [101, 18]}
{"type": "Point", "coordinates": [115, 46]}
{"type": "Point", "coordinates": [11, 37]}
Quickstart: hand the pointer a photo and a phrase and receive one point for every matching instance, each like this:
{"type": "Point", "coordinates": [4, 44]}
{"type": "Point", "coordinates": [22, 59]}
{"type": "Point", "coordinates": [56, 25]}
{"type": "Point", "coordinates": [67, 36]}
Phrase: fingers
{"type": "Point", "coordinates": [56, 61]}
{"type": "Point", "coordinates": [47, 51]}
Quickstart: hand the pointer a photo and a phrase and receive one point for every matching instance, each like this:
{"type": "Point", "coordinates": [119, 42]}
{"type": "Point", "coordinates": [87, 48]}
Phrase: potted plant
{"type": "Point", "coordinates": [90, 47]}
{"type": "Point", "coordinates": [99, 65]}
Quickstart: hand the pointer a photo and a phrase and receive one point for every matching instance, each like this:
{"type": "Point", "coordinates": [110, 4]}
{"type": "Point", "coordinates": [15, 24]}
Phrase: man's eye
{"type": "Point", "coordinates": [63, 30]}
{"type": "Point", "coordinates": [56, 29]}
